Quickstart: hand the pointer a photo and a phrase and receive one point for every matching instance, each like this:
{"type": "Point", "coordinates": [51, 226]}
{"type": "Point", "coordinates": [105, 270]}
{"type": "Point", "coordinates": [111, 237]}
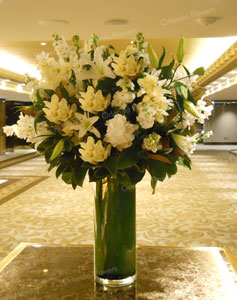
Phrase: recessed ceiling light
{"type": "Point", "coordinates": [207, 20]}
{"type": "Point", "coordinates": [53, 21]}
{"type": "Point", "coordinates": [43, 44]}
{"type": "Point", "coordinates": [117, 21]}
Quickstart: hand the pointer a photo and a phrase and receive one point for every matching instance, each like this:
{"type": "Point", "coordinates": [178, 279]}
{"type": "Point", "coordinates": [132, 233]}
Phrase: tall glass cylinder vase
{"type": "Point", "coordinates": [115, 233]}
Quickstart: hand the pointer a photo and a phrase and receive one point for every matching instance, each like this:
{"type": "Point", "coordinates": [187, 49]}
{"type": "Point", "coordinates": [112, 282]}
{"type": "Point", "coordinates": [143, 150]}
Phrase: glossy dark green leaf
{"type": "Point", "coordinates": [111, 163]}
{"type": "Point", "coordinates": [161, 58]}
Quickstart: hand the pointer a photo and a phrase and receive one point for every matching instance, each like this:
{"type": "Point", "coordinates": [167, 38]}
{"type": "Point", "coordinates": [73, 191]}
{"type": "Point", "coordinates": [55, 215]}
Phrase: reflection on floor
{"type": "Point", "coordinates": [193, 208]}
{"type": "Point", "coordinates": [18, 155]}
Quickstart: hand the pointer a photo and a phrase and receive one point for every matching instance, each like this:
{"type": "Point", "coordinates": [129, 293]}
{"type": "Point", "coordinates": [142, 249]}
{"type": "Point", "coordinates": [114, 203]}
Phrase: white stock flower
{"type": "Point", "coordinates": [152, 142]}
{"type": "Point", "coordinates": [204, 110]}
{"type": "Point", "coordinates": [94, 102]}
{"type": "Point", "coordinates": [185, 143]}
{"type": "Point", "coordinates": [122, 98]}
{"type": "Point", "coordinates": [24, 129]}
{"type": "Point", "coordinates": [8, 130]}
{"type": "Point", "coordinates": [146, 115]}
{"type": "Point", "coordinates": [94, 152]}
{"type": "Point", "coordinates": [120, 132]}
{"type": "Point", "coordinates": [58, 111]}
{"type": "Point", "coordinates": [188, 120]}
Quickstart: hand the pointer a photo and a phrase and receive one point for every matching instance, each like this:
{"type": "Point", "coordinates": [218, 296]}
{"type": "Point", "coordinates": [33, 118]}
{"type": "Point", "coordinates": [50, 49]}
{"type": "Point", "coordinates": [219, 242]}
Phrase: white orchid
{"type": "Point", "coordinates": [57, 110]}
{"type": "Point", "coordinates": [94, 102]}
{"type": "Point", "coordinates": [94, 152]}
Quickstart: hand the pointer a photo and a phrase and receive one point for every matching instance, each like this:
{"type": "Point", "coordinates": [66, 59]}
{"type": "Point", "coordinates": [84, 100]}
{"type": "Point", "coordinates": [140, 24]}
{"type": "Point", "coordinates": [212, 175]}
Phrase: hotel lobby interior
{"type": "Point", "coordinates": [186, 224]}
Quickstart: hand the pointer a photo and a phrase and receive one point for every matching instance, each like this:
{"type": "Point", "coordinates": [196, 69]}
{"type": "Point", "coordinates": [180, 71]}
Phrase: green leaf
{"type": "Point", "coordinates": [101, 172]}
{"type": "Point", "coordinates": [185, 162]}
{"type": "Point", "coordinates": [153, 57]}
{"type": "Point", "coordinates": [153, 184]}
{"type": "Point", "coordinates": [128, 158]}
{"type": "Point", "coordinates": [134, 175]}
{"type": "Point", "coordinates": [184, 92]}
{"type": "Point", "coordinates": [180, 50]}
{"type": "Point", "coordinates": [50, 93]}
{"type": "Point", "coordinates": [186, 70]}
{"type": "Point", "coordinates": [123, 178]}
{"type": "Point", "coordinates": [67, 177]}
{"type": "Point", "coordinates": [167, 71]}
{"type": "Point", "coordinates": [57, 150]}
{"type": "Point", "coordinates": [64, 91]}
{"type": "Point", "coordinates": [161, 58]}
{"type": "Point", "coordinates": [199, 71]}
{"type": "Point", "coordinates": [79, 175]}
{"type": "Point", "coordinates": [111, 164]}
{"type": "Point", "coordinates": [60, 170]}
{"type": "Point", "coordinates": [39, 99]}
{"type": "Point", "coordinates": [180, 99]}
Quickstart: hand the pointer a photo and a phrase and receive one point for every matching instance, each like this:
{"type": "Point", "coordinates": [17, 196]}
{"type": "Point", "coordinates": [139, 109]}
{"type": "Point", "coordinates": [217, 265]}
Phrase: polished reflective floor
{"type": "Point", "coordinates": [193, 208]}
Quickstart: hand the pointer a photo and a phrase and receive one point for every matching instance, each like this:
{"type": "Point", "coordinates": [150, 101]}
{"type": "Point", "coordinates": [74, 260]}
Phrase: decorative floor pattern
{"type": "Point", "coordinates": [193, 208]}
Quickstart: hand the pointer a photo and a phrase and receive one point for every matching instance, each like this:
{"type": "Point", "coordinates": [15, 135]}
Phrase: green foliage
{"type": "Point", "coordinates": [199, 71]}
{"type": "Point", "coordinates": [128, 158]}
{"type": "Point", "coordinates": [161, 58]}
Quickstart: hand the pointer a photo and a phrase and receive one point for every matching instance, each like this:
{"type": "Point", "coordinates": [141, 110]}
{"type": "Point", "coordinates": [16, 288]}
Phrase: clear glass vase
{"type": "Point", "coordinates": [115, 233]}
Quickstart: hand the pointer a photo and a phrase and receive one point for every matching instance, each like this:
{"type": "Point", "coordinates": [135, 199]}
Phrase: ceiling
{"type": "Point", "coordinates": [225, 94]}
{"type": "Point", "coordinates": [31, 20]}
{"type": "Point", "coordinates": [25, 24]}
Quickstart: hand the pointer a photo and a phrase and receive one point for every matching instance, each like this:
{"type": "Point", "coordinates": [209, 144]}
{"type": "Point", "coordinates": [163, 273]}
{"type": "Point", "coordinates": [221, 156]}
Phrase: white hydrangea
{"type": "Point", "coordinates": [94, 102]}
{"type": "Point", "coordinates": [58, 111]}
{"type": "Point", "coordinates": [122, 98]}
{"type": "Point", "coordinates": [120, 132]}
{"type": "Point", "coordinates": [146, 115]}
{"type": "Point", "coordinates": [152, 142]}
{"type": "Point", "coordinates": [94, 152]}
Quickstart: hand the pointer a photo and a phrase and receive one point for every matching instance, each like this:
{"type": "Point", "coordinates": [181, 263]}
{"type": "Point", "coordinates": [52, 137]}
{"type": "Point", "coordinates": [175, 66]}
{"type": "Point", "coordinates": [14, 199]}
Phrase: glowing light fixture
{"type": "Point", "coordinates": [15, 64]}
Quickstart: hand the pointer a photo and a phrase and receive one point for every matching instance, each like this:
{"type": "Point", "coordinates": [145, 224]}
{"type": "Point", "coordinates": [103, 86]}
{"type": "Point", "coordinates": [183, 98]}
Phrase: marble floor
{"type": "Point", "coordinates": [193, 208]}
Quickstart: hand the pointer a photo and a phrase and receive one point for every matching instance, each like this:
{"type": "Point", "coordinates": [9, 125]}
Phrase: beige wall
{"type": "Point", "coordinates": [2, 123]}
{"type": "Point", "coordinates": [223, 123]}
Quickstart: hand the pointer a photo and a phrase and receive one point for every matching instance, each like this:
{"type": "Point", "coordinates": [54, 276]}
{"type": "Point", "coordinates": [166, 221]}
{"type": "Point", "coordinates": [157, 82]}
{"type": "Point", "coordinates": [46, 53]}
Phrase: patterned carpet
{"type": "Point", "coordinates": [194, 208]}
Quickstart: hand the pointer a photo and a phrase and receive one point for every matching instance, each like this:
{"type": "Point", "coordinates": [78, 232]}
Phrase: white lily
{"type": "Point", "coordinates": [86, 124]}
{"type": "Point", "coordinates": [102, 66]}
{"type": "Point", "coordinates": [185, 143]}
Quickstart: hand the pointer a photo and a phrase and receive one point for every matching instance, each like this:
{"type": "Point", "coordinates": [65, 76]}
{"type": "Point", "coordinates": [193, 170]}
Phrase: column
{"type": "Point", "coordinates": [2, 123]}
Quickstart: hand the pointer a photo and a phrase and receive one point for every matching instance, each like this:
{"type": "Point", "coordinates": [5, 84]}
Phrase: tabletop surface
{"type": "Point", "coordinates": [66, 273]}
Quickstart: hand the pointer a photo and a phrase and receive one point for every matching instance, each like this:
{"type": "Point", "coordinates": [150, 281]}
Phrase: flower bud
{"type": "Point", "coordinates": [191, 108]}
{"type": "Point", "coordinates": [153, 57]}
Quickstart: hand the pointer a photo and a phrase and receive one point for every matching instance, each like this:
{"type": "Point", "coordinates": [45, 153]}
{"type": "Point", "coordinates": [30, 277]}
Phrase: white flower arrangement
{"type": "Point", "coordinates": [104, 113]}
